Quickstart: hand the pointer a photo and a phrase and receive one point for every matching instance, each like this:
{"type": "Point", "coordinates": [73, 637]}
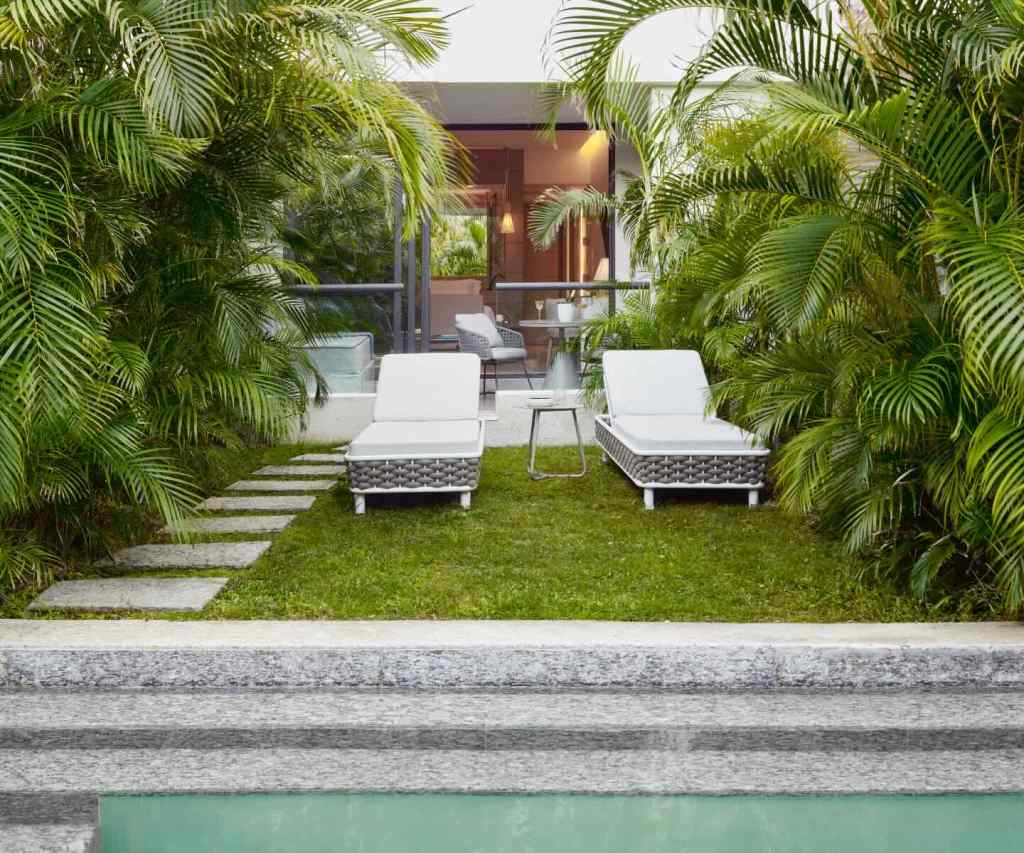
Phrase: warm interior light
{"type": "Point", "coordinates": [601, 273]}
{"type": "Point", "coordinates": [508, 225]}
{"type": "Point", "coordinates": [596, 145]}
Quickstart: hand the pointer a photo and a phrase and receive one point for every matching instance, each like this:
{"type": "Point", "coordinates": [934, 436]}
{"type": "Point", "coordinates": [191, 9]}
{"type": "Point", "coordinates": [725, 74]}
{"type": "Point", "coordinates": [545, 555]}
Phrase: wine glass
{"type": "Point", "coordinates": [539, 305]}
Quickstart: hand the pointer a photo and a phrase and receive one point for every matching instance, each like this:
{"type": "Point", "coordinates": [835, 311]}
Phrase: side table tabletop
{"type": "Point", "coordinates": [537, 407]}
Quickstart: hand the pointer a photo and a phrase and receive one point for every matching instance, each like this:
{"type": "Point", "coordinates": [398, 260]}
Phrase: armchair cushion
{"type": "Point", "coordinates": [482, 325]}
{"type": "Point", "coordinates": [508, 354]}
{"type": "Point", "coordinates": [428, 387]}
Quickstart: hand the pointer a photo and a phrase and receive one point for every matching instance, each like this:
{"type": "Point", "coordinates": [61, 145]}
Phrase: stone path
{"type": "Point", "coordinates": [300, 471]}
{"type": "Point", "coordinates": [261, 504]}
{"type": "Point", "coordinates": [189, 594]}
{"type": "Point", "coordinates": [192, 594]}
{"type": "Point", "coordinates": [233, 524]}
{"type": "Point", "coordinates": [202, 555]}
{"type": "Point", "coordinates": [320, 457]}
{"type": "Point", "coordinates": [282, 486]}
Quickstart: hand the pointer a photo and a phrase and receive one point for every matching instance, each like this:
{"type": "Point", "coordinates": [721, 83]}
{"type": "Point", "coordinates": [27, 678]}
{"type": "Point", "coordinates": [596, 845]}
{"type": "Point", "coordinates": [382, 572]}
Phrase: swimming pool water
{"type": "Point", "coordinates": [456, 823]}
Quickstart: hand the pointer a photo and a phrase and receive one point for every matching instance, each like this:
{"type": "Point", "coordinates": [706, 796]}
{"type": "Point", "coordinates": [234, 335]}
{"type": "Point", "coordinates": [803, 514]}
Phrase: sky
{"type": "Point", "coordinates": [502, 41]}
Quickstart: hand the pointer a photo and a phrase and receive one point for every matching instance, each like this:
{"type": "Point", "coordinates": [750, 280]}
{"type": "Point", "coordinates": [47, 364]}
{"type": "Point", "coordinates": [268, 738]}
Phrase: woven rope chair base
{"type": "Point", "coordinates": [401, 475]}
{"type": "Point", "coordinates": [682, 470]}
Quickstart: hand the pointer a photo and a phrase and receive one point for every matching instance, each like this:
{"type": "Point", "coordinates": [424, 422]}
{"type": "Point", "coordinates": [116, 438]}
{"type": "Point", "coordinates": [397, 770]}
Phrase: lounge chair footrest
{"type": "Point", "coordinates": [402, 475]}
{"type": "Point", "coordinates": [681, 469]}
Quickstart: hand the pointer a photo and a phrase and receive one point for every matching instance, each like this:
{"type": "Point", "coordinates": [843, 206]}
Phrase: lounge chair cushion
{"type": "Point", "coordinates": [508, 353]}
{"type": "Point", "coordinates": [683, 434]}
{"type": "Point", "coordinates": [413, 438]}
{"type": "Point", "coordinates": [655, 382]}
{"type": "Point", "coordinates": [428, 387]}
{"type": "Point", "coordinates": [480, 324]}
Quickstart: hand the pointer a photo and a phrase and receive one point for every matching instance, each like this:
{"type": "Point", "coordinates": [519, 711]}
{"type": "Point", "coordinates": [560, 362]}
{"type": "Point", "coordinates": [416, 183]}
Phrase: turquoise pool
{"type": "Point", "coordinates": [454, 823]}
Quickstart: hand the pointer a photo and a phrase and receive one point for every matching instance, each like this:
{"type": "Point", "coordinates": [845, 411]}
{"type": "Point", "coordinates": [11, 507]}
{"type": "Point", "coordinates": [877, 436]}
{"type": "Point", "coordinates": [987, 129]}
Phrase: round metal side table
{"type": "Point", "coordinates": [537, 409]}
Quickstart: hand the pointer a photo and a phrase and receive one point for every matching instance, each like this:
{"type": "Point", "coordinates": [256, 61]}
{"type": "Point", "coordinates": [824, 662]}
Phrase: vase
{"type": "Point", "coordinates": [566, 312]}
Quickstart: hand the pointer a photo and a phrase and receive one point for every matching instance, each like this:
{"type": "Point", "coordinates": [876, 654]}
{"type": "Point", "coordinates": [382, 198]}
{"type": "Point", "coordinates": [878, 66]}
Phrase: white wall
{"type": "Point", "coordinates": [501, 41]}
{"type": "Point", "coordinates": [626, 160]}
{"type": "Point", "coordinates": [345, 415]}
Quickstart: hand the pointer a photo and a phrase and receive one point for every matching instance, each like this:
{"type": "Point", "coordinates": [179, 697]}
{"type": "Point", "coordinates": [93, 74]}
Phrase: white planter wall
{"type": "Point", "coordinates": [344, 415]}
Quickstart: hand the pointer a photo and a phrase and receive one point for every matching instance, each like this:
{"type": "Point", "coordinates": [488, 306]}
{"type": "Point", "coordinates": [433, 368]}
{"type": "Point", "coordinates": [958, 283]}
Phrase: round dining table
{"type": "Point", "coordinates": [560, 325]}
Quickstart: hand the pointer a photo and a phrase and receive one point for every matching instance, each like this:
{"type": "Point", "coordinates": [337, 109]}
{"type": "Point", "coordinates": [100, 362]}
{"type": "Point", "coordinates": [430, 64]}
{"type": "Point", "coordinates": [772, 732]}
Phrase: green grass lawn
{"type": "Point", "coordinates": [557, 549]}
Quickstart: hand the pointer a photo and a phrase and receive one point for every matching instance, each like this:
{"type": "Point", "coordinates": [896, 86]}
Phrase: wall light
{"type": "Point", "coordinates": [508, 224]}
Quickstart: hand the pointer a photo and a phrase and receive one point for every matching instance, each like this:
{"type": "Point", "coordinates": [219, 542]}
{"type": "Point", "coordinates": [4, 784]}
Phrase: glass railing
{"type": "Point", "coordinates": [368, 320]}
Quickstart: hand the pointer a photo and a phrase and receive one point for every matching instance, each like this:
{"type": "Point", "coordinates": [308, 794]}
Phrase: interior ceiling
{"type": "Point", "coordinates": [487, 103]}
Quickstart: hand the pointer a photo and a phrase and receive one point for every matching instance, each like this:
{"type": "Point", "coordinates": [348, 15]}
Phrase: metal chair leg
{"type": "Point", "coordinates": [531, 468]}
{"type": "Point", "coordinates": [526, 373]}
{"type": "Point", "coordinates": [579, 444]}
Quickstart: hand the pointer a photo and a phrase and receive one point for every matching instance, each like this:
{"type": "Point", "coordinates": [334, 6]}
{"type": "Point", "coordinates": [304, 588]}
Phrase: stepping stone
{"type": "Point", "coordinates": [205, 555]}
{"type": "Point", "coordinates": [282, 485]}
{"type": "Point", "coordinates": [130, 594]}
{"type": "Point", "coordinates": [267, 503]}
{"type": "Point", "coordinates": [300, 471]}
{"type": "Point", "coordinates": [233, 524]}
{"type": "Point", "coordinates": [319, 457]}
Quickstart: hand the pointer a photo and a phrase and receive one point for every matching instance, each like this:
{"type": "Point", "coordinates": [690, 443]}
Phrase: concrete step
{"type": "Point", "coordinates": [269, 503]}
{"type": "Point", "coordinates": [179, 768]}
{"type": "Point", "coordinates": [512, 654]}
{"type": "Point", "coordinates": [282, 485]}
{"type": "Point", "coordinates": [202, 555]}
{"type": "Point", "coordinates": [945, 716]}
{"type": "Point", "coordinates": [109, 594]}
{"type": "Point", "coordinates": [299, 471]}
{"type": "Point", "coordinates": [319, 457]}
{"type": "Point", "coordinates": [233, 524]}
{"type": "Point", "coordinates": [49, 838]}
{"type": "Point", "coordinates": [60, 750]}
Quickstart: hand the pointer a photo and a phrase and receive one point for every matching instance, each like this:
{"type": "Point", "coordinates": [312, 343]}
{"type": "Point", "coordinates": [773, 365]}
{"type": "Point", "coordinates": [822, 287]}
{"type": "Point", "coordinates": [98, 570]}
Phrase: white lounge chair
{"type": "Point", "coordinates": [657, 432]}
{"type": "Point", "coordinates": [426, 435]}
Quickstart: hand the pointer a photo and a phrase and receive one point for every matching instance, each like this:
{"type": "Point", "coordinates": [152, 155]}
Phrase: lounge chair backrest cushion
{"type": "Point", "coordinates": [480, 324]}
{"type": "Point", "coordinates": [655, 382]}
{"type": "Point", "coordinates": [440, 386]}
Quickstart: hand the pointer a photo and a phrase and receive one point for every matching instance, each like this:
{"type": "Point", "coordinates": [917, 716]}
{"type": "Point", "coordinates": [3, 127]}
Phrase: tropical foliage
{"type": "Point", "coordinates": [146, 150]}
{"type": "Point", "coordinates": [849, 257]}
{"type": "Point", "coordinates": [343, 232]}
{"type": "Point", "coordinates": [458, 247]}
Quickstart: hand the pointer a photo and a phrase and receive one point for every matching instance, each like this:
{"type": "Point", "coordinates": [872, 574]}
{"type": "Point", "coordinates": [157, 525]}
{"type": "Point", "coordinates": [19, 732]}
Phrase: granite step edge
{"type": "Point", "coordinates": [492, 737]}
{"type": "Point", "coordinates": [936, 710]}
{"type": "Point", "coordinates": [58, 838]}
{"type": "Point", "coordinates": [723, 666]}
{"type": "Point", "coordinates": [527, 771]}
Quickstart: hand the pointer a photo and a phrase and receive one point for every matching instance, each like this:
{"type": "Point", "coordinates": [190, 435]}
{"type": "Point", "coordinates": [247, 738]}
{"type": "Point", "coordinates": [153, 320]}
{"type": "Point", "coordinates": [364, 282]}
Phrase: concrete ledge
{"type": "Point", "coordinates": [440, 655]}
{"type": "Point", "coordinates": [344, 416]}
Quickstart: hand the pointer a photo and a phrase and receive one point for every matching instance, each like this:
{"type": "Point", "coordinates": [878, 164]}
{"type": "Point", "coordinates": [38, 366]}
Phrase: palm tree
{"type": "Point", "coordinates": [870, 320]}
{"type": "Point", "coordinates": [146, 150]}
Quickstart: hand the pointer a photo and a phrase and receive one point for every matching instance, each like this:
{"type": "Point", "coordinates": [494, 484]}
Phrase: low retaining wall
{"type": "Point", "coordinates": [345, 415]}
{"type": "Point", "coordinates": [447, 655]}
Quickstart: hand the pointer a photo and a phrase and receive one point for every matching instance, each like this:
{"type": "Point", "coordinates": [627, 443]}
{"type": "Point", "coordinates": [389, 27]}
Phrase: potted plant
{"type": "Point", "coordinates": [567, 307]}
